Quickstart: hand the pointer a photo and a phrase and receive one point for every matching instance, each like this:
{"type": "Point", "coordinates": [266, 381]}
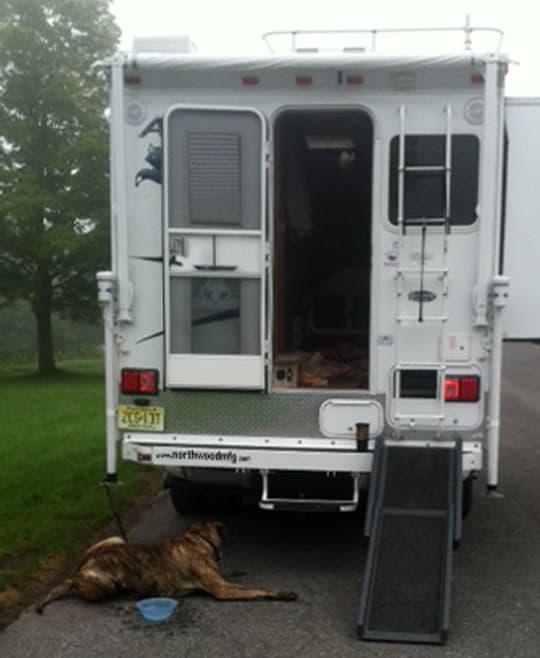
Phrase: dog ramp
{"type": "Point", "coordinates": [413, 521]}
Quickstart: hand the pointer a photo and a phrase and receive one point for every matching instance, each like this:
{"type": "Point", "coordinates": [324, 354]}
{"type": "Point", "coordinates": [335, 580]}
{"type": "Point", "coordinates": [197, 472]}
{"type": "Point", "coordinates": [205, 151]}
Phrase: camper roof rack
{"type": "Point", "coordinates": [371, 37]}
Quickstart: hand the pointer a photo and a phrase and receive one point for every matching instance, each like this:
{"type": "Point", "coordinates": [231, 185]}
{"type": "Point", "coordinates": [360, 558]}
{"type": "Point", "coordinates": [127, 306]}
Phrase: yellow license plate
{"type": "Point", "coordinates": [141, 418]}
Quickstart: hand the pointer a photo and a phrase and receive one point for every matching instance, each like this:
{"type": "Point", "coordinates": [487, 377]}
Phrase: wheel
{"type": "Point", "coordinates": [192, 498]}
{"type": "Point", "coordinates": [186, 498]}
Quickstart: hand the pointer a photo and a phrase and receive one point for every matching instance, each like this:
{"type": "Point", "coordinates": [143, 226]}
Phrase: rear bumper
{"type": "Point", "coordinates": [245, 453]}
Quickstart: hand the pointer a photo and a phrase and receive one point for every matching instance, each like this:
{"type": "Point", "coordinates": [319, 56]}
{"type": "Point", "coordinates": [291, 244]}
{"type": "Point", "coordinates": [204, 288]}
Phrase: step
{"type": "Point", "coordinates": [294, 491]}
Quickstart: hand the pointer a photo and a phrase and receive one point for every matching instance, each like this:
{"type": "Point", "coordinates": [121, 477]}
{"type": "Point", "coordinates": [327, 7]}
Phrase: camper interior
{"type": "Point", "coordinates": [322, 260]}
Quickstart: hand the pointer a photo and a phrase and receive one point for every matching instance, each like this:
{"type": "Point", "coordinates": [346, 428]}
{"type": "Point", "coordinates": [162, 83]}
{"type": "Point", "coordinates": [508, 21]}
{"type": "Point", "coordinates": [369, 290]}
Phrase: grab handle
{"type": "Point", "coordinates": [216, 268]}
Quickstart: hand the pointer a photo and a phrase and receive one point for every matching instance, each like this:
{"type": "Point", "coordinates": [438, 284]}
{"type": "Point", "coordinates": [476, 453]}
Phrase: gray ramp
{"type": "Point", "coordinates": [413, 527]}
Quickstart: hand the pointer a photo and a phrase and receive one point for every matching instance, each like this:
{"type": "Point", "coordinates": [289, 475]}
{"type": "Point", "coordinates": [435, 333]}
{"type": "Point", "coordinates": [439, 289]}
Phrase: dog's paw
{"type": "Point", "coordinates": [287, 596]}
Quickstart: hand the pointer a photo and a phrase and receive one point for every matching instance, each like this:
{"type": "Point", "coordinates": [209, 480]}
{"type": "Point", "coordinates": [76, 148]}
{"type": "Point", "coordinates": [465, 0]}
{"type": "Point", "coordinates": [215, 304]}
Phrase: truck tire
{"type": "Point", "coordinates": [185, 498]}
{"type": "Point", "coordinates": [189, 498]}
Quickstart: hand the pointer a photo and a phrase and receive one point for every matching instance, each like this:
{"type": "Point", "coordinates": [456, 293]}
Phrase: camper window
{"type": "Point", "coordinates": [215, 316]}
{"type": "Point", "coordinates": [425, 190]}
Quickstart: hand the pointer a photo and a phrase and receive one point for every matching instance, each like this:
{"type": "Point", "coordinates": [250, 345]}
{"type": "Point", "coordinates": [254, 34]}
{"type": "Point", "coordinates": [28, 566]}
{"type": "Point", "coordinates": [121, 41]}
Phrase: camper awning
{"type": "Point", "coordinates": [307, 61]}
{"type": "Point", "coordinates": [325, 70]}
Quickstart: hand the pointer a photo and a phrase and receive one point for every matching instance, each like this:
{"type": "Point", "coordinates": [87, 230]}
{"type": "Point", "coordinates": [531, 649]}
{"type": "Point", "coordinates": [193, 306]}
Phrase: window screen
{"type": "Point", "coordinates": [214, 175]}
{"type": "Point", "coordinates": [214, 161]}
{"type": "Point", "coordinates": [425, 191]}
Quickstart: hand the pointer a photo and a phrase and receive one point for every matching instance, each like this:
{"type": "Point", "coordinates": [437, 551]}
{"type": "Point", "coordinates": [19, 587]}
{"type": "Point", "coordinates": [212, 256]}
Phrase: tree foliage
{"type": "Point", "coordinates": [53, 157]}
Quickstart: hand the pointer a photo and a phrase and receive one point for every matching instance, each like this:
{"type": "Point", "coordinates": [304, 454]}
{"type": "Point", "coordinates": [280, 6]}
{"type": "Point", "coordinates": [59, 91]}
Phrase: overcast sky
{"type": "Point", "coordinates": [236, 26]}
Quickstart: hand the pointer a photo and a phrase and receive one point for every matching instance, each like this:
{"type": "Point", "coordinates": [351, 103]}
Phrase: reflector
{"type": "Point", "coordinates": [132, 80]}
{"type": "Point", "coordinates": [147, 383]}
{"type": "Point", "coordinates": [451, 390]}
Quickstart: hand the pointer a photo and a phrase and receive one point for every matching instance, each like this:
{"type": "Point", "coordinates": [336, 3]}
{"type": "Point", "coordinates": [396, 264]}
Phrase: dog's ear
{"type": "Point", "coordinates": [220, 528]}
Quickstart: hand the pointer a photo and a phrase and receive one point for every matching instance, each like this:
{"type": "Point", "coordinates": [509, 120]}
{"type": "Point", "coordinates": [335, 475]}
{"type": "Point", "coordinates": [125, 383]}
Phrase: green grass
{"type": "Point", "coordinates": [52, 462]}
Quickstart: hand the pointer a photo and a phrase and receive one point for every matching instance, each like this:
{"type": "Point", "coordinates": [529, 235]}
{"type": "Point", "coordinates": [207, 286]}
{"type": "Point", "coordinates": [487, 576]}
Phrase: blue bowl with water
{"type": "Point", "coordinates": [156, 610]}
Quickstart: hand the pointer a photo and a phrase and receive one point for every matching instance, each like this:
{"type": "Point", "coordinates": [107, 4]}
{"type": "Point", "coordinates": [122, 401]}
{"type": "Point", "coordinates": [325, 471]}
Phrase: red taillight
{"type": "Point", "coordinates": [139, 382]}
{"type": "Point", "coordinates": [477, 79]}
{"type": "Point", "coordinates": [303, 80]}
{"type": "Point", "coordinates": [462, 389]}
{"type": "Point", "coordinates": [470, 389]}
{"type": "Point", "coordinates": [354, 80]}
{"type": "Point", "coordinates": [130, 382]}
{"type": "Point", "coordinates": [250, 81]}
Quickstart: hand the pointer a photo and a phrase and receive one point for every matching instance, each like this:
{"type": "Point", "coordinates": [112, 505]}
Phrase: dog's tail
{"type": "Point", "coordinates": [56, 593]}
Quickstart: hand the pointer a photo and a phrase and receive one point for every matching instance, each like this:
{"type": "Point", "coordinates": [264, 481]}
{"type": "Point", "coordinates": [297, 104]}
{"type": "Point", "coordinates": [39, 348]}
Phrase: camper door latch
{"type": "Point", "coordinates": [267, 154]}
{"type": "Point", "coordinates": [267, 254]}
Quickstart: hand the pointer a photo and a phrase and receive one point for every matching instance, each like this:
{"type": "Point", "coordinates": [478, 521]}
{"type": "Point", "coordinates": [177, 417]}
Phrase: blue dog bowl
{"type": "Point", "coordinates": [157, 609]}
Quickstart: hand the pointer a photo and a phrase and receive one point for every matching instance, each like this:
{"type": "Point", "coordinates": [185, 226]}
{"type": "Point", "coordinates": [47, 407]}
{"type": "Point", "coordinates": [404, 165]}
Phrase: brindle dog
{"type": "Point", "coordinates": [170, 568]}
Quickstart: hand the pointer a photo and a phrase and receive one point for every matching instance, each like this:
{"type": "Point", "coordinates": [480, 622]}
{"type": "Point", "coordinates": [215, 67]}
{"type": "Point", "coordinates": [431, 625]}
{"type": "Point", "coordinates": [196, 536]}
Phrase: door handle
{"type": "Point", "coordinates": [215, 268]}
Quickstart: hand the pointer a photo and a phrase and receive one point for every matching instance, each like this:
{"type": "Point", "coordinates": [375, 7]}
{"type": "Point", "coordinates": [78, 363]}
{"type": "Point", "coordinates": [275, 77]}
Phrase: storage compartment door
{"type": "Point", "coordinates": [522, 221]}
{"type": "Point", "coordinates": [214, 213]}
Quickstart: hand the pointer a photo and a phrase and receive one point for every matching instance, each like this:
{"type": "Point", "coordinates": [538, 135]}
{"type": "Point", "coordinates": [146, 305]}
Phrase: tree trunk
{"type": "Point", "coordinates": [46, 362]}
{"type": "Point", "coordinates": [42, 313]}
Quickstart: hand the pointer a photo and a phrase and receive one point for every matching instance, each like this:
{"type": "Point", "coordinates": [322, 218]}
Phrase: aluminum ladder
{"type": "Point", "coordinates": [420, 272]}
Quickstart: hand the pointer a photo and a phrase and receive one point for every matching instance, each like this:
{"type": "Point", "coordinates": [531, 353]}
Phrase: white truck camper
{"type": "Point", "coordinates": [311, 256]}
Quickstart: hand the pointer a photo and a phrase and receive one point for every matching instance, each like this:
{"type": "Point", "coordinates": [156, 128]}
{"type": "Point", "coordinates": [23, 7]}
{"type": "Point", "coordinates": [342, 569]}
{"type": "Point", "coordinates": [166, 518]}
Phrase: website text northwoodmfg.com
{"type": "Point", "coordinates": [193, 454]}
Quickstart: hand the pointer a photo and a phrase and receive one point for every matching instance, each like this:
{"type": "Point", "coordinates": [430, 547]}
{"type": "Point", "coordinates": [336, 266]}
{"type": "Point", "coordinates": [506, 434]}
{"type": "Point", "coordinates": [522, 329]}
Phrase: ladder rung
{"type": "Point", "coordinates": [418, 365]}
{"type": "Point", "coordinates": [308, 504]}
{"type": "Point", "coordinates": [428, 221]}
{"type": "Point", "coordinates": [427, 270]}
{"type": "Point", "coordinates": [425, 168]}
{"type": "Point", "coordinates": [425, 318]}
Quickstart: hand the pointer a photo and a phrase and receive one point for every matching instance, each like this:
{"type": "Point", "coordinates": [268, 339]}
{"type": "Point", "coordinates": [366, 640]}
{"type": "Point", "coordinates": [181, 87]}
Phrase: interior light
{"type": "Point", "coordinates": [329, 142]}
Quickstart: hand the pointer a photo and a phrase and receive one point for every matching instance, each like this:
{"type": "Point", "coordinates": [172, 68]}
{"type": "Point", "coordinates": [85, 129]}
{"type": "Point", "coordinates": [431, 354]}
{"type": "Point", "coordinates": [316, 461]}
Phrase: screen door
{"type": "Point", "coordinates": [214, 214]}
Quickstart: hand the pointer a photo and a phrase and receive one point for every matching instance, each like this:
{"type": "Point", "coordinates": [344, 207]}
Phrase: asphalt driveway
{"type": "Point", "coordinates": [496, 574]}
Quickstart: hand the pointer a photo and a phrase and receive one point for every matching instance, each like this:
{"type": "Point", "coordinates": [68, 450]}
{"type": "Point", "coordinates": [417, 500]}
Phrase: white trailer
{"type": "Point", "coordinates": [307, 248]}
